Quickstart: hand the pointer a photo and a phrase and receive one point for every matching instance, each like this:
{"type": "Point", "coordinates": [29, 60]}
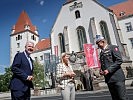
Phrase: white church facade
{"type": "Point", "coordinates": [79, 21]}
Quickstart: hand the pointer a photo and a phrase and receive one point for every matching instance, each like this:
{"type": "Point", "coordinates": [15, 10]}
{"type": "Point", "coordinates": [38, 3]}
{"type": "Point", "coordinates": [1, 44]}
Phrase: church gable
{"type": "Point", "coordinates": [80, 8]}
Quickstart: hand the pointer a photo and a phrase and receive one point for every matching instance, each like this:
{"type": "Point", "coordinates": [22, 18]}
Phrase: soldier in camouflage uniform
{"type": "Point", "coordinates": [111, 61]}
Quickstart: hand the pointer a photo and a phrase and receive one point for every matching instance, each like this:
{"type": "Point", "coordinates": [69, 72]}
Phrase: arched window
{"type": "Point", "coordinates": [81, 37]}
{"type": "Point", "coordinates": [62, 44]}
{"type": "Point", "coordinates": [104, 31]}
{"type": "Point", "coordinates": [77, 14]}
{"type": "Point", "coordinates": [66, 39]}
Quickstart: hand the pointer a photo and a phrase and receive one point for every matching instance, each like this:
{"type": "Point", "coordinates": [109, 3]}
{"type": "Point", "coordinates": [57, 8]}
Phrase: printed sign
{"type": "Point", "coordinates": [91, 55]}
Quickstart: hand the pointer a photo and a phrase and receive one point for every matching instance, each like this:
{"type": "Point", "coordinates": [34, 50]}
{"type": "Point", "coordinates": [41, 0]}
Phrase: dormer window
{"type": "Point", "coordinates": [122, 13]}
{"type": "Point", "coordinates": [27, 27]}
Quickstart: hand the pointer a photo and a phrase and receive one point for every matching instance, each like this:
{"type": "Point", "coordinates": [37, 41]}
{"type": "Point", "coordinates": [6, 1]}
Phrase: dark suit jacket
{"type": "Point", "coordinates": [21, 69]}
{"type": "Point", "coordinates": [111, 60]}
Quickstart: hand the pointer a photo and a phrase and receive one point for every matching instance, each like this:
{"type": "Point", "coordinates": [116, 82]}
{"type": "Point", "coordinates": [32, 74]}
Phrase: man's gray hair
{"type": "Point", "coordinates": [28, 42]}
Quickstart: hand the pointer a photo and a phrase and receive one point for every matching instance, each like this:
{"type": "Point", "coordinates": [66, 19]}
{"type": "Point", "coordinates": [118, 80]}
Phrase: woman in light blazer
{"type": "Point", "coordinates": [65, 77]}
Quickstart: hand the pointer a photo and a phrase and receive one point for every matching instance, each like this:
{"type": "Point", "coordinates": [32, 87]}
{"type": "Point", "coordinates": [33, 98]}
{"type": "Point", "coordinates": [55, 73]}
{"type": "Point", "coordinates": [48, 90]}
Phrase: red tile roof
{"type": "Point", "coordinates": [42, 45]}
{"type": "Point", "coordinates": [68, 1]}
{"type": "Point", "coordinates": [123, 9]}
{"type": "Point", "coordinates": [22, 21]}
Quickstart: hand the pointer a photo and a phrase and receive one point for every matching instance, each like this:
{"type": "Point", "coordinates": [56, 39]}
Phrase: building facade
{"type": "Point", "coordinates": [22, 32]}
{"type": "Point", "coordinates": [124, 13]}
{"type": "Point", "coordinates": [78, 23]}
{"type": "Point", "coordinates": [42, 47]}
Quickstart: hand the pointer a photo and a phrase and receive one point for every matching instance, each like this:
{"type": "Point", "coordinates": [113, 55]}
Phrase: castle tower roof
{"type": "Point", "coordinates": [22, 22]}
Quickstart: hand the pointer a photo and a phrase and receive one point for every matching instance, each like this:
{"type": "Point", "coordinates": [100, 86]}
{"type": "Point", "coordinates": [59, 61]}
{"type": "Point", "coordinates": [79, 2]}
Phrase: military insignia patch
{"type": "Point", "coordinates": [116, 49]}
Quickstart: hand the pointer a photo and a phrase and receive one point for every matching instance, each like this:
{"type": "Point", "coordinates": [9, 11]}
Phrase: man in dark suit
{"type": "Point", "coordinates": [22, 69]}
{"type": "Point", "coordinates": [111, 61]}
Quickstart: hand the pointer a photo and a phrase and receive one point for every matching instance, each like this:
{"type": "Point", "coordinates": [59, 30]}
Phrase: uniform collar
{"type": "Point", "coordinates": [105, 47]}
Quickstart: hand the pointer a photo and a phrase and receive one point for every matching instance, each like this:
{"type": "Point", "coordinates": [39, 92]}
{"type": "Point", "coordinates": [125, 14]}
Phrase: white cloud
{"type": "Point", "coordinates": [44, 20]}
{"type": "Point", "coordinates": [41, 3]}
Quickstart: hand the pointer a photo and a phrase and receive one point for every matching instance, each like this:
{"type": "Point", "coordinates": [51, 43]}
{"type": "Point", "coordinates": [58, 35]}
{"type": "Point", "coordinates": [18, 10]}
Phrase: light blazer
{"type": "Point", "coordinates": [60, 70]}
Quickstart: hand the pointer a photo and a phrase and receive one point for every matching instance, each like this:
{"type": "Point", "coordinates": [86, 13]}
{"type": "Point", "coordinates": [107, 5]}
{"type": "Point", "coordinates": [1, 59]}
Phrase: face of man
{"type": "Point", "coordinates": [100, 44]}
{"type": "Point", "coordinates": [29, 47]}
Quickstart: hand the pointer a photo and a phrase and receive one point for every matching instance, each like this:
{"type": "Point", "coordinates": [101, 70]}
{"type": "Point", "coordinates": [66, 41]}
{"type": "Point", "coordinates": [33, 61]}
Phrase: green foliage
{"type": "Point", "coordinates": [5, 80]}
{"type": "Point", "coordinates": [38, 75]}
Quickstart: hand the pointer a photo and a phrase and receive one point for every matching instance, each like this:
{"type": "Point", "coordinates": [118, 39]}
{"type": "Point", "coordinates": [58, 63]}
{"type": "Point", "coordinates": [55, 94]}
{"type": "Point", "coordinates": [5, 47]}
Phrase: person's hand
{"type": "Point", "coordinates": [67, 74]}
{"type": "Point", "coordinates": [73, 74]}
{"type": "Point", "coordinates": [101, 72]}
{"type": "Point", "coordinates": [30, 78]}
{"type": "Point", "coordinates": [106, 72]}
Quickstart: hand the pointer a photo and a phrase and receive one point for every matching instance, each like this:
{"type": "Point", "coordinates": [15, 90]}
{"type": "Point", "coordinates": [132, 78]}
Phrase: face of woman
{"type": "Point", "coordinates": [65, 59]}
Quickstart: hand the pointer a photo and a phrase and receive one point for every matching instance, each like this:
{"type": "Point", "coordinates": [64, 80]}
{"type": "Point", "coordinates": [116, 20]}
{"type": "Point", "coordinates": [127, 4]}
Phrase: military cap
{"type": "Point", "coordinates": [99, 38]}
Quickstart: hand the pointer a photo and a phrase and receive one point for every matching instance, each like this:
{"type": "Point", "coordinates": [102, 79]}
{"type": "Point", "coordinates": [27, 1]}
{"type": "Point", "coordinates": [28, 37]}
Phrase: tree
{"type": "Point", "coordinates": [38, 75]}
{"type": "Point", "coordinates": [5, 80]}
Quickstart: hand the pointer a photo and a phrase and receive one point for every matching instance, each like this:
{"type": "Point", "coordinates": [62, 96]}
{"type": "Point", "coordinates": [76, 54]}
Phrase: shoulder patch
{"type": "Point", "coordinates": [116, 49]}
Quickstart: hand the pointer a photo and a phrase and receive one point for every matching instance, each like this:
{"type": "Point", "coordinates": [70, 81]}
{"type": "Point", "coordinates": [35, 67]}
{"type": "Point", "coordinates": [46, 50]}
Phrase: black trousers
{"type": "Point", "coordinates": [117, 90]}
{"type": "Point", "coordinates": [20, 95]}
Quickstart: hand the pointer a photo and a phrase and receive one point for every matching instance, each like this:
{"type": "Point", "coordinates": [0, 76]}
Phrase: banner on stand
{"type": "Point", "coordinates": [91, 55]}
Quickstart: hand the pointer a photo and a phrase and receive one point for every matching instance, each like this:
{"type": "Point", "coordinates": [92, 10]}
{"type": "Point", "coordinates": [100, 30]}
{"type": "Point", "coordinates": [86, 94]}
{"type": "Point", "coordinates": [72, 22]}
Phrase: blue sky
{"type": "Point", "coordinates": [42, 14]}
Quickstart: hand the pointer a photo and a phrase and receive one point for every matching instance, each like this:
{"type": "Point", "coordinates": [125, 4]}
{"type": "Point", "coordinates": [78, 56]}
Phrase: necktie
{"type": "Point", "coordinates": [30, 62]}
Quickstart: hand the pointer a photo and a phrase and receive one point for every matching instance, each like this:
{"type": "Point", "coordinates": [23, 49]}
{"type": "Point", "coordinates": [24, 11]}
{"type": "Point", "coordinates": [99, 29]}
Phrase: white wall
{"type": "Point", "coordinates": [67, 18]}
{"type": "Point", "coordinates": [38, 54]}
{"type": "Point", "coordinates": [26, 36]}
{"type": "Point", "coordinates": [127, 35]}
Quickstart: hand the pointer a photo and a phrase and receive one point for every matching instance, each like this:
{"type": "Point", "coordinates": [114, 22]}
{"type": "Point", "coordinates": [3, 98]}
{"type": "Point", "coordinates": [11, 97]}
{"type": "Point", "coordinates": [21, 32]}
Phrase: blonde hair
{"type": "Point", "coordinates": [64, 60]}
{"type": "Point", "coordinates": [63, 55]}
